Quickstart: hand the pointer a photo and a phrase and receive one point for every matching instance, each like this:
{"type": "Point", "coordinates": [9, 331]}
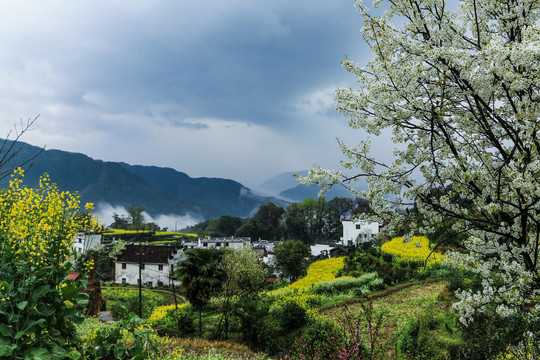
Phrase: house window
{"type": "Point", "coordinates": [218, 244]}
{"type": "Point", "coordinates": [358, 226]}
{"type": "Point", "coordinates": [124, 280]}
{"type": "Point", "coordinates": [172, 269]}
{"type": "Point", "coordinates": [142, 266]}
{"type": "Point", "coordinates": [205, 244]}
{"type": "Point", "coordinates": [160, 267]}
{"type": "Point", "coordinates": [124, 266]}
{"type": "Point", "coordinates": [149, 284]}
{"type": "Point", "coordinates": [226, 244]}
{"type": "Point", "coordinates": [160, 283]}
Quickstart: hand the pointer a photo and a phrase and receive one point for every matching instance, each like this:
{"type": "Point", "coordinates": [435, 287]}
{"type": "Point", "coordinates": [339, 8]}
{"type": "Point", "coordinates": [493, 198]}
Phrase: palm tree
{"type": "Point", "coordinates": [201, 275]}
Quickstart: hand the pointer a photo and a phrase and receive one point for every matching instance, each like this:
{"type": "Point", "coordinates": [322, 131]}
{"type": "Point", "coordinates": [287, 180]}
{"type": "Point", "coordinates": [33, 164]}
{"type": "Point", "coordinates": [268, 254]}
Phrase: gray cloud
{"type": "Point", "coordinates": [144, 80]}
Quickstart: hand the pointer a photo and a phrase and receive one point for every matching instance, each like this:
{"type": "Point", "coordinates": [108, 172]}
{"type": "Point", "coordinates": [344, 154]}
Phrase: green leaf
{"type": "Point", "coordinates": [6, 350]}
{"type": "Point", "coordinates": [74, 355]}
{"type": "Point", "coordinates": [41, 323]}
{"type": "Point", "coordinates": [38, 354]}
{"type": "Point", "coordinates": [70, 291]}
{"type": "Point", "coordinates": [44, 271]}
{"type": "Point", "coordinates": [119, 351]}
{"type": "Point", "coordinates": [22, 305]}
{"type": "Point", "coordinates": [39, 292]}
{"type": "Point", "coordinates": [6, 330]}
{"type": "Point", "coordinates": [4, 340]}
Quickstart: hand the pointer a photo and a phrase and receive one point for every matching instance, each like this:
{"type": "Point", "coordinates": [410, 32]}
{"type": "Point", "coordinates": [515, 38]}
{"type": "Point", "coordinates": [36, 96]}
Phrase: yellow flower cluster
{"type": "Point", "coordinates": [37, 226]}
{"type": "Point", "coordinates": [319, 271]}
{"type": "Point", "coordinates": [174, 355]}
{"type": "Point", "coordinates": [88, 265]}
{"type": "Point", "coordinates": [306, 300]}
{"type": "Point", "coordinates": [409, 251]}
{"type": "Point", "coordinates": [160, 312]}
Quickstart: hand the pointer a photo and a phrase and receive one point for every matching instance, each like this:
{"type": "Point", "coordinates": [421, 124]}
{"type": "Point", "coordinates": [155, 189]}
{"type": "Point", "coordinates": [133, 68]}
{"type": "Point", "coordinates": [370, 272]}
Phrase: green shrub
{"type": "Point", "coordinates": [125, 339]}
{"type": "Point", "coordinates": [38, 304]}
{"type": "Point", "coordinates": [432, 336]}
{"type": "Point", "coordinates": [291, 315]}
{"type": "Point", "coordinates": [356, 337]}
{"type": "Point", "coordinates": [130, 299]}
{"type": "Point", "coordinates": [185, 323]}
{"type": "Point", "coordinates": [177, 320]}
{"type": "Point", "coordinates": [358, 286]}
{"type": "Point", "coordinates": [407, 344]}
{"type": "Point", "coordinates": [456, 279]}
{"type": "Point", "coordinates": [322, 340]}
{"type": "Point", "coordinates": [489, 334]}
{"type": "Point", "coordinates": [387, 257]}
{"type": "Point", "coordinates": [271, 339]}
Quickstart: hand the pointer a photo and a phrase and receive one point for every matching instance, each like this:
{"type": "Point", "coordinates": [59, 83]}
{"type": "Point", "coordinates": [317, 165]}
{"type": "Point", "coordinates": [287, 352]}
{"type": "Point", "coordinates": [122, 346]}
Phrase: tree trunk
{"type": "Point", "coordinates": [200, 322]}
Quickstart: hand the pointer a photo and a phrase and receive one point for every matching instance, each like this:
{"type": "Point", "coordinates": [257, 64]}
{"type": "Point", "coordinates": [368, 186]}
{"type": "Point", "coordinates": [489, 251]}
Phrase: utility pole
{"type": "Point", "coordinates": [140, 281]}
{"type": "Point", "coordinates": [175, 306]}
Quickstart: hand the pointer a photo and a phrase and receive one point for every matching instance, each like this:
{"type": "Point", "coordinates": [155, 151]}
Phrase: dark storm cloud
{"type": "Point", "coordinates": [165, 74]}
{"type": "Point", "coordinates": [235, 62]}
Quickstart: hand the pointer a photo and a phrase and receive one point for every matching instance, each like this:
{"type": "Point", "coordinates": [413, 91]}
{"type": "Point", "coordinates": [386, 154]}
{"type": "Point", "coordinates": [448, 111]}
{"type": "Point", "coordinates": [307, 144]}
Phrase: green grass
{"type": "Point", "coordinates": [201, 349]}
{"type": "Point", "coordinates": [398, 307]}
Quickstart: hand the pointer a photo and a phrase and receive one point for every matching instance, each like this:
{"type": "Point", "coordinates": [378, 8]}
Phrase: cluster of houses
{"type": "Point", "coordinates": [154, 265]}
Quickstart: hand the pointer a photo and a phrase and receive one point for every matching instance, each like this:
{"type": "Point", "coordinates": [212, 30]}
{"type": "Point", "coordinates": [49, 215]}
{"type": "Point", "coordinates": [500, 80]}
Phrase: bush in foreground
{"type": "Point", "coordinates": [37, 301]}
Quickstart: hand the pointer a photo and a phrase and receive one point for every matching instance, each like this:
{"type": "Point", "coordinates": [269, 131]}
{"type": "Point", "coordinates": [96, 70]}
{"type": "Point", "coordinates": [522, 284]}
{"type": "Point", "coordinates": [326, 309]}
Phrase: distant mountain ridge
{"type": "Point", "coordinates": [225, 194]}
{"type": "Point", "coordinates": [285, 186]}
{"type": "Point", "coordinates": [159, 190]}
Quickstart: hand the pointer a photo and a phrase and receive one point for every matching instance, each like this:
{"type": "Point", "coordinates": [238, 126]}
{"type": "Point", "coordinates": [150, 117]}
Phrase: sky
{"type": "Point", "coordinates": [238, 89]}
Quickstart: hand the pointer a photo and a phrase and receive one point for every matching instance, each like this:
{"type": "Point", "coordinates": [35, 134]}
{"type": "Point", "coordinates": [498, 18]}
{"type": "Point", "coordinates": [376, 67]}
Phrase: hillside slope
{"type": "Point", "coordinates": [159, 190]}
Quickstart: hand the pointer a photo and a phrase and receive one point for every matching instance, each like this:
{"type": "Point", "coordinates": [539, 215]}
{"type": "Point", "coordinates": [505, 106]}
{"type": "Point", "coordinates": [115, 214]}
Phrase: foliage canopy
{"type": "Point", "coordinates": [460, 92]}
{"type": "Point", "coordinates": [291, 258]}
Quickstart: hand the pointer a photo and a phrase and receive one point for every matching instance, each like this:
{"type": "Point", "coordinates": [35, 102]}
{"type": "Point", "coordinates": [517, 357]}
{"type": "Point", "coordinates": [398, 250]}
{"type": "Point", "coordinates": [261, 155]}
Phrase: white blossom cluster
{"type": "Point", "coordinates": [460, 90]}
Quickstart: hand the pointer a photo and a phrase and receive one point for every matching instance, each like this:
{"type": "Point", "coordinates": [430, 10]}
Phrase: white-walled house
{"type": "Point", "coordinates": [233, 243]}
{"type": "Point", "coordinates": [323, 247]}
{"type": "Point", "coordinates": [84, 242]}
{"type": "Point", "coordinates": [157, 265]}
{"type": "Point", "coordinates": [358, 231]}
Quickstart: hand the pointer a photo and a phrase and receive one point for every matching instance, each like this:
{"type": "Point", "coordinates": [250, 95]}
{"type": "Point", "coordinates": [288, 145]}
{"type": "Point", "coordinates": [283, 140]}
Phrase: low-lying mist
{"type": "Point", "coordinates": [170, 221]}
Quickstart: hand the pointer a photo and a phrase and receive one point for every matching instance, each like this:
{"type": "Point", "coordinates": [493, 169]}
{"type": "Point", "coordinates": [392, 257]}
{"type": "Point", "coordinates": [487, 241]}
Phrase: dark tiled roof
{"type": "Point", "coordinates": [151, 254]}
{"type": "Point", "coordinates": [326, 242]}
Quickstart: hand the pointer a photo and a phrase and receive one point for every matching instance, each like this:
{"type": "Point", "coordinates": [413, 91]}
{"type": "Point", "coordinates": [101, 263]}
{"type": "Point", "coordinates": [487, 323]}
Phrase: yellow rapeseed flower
{"type": "Point", "coordinates": [38, 225]}
{"type": "Point", "coordinates": [418, 249]}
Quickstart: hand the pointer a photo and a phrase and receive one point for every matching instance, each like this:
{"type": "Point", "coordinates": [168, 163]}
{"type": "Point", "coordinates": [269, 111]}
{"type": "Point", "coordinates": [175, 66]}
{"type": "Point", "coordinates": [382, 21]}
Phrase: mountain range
{"type": "Point", "coordinates": [159, 190]}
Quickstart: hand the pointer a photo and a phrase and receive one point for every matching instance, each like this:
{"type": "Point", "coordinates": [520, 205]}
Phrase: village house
{"type": "Point", "coordinates": [232, 242]}
{"type": "Point", "coordinates": [321, 249]}
{"type": "Point", "coordinates": [358, 231]}
{"type": "Point", "coordinates": [156, 264]}
{"type": "Point", "coordinates": [84, 242]}
{"type": "Point", "coordinates": [263, 248]}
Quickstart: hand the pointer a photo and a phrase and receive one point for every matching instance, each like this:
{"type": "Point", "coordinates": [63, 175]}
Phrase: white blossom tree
{"type": "Point", "coordinates": [460, 91]}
